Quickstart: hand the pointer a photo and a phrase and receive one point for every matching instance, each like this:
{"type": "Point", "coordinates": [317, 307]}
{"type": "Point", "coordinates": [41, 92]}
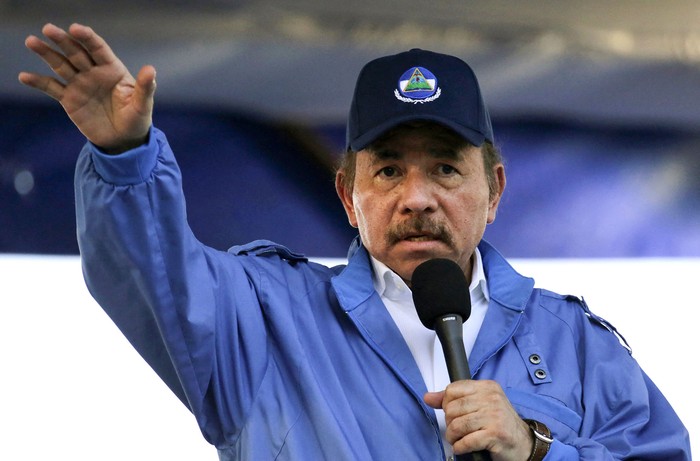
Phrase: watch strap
{"type": "Point", "coordinates": [542, 438]}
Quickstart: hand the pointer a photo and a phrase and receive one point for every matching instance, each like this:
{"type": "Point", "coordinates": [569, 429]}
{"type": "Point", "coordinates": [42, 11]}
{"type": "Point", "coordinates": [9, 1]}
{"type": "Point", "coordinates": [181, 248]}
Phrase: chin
{"type": "Point", "coordinates": [406, 268]}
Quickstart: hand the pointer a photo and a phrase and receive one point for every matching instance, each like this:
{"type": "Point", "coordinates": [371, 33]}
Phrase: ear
{"type": "Point", "coordinates": [499, 173]}
{"type": "Point", "coordinates": [345, 195]}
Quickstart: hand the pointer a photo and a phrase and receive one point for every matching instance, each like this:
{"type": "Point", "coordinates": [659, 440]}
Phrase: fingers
{"type": "Point", "coordinates": [506, 437]}
{"type": "Point", "coordinates": [48, 85]}
{"type": "Point", "coordinates": [74, 52]}
{"type": "Point", "coordinates": [80, 49]}
{"type": "Point", "coordinates": [464, 412]}
{"type": "Point", "coordinates": [464, 397]}
{"type": "Point", "coordinates": [55, 60]}
{"type": "Point", "coordinates": [98, 50]}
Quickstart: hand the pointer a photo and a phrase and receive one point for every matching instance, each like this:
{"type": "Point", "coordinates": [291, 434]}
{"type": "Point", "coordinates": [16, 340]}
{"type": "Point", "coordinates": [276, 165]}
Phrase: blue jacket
{"type": "Point", "coordinates": [279, 358]}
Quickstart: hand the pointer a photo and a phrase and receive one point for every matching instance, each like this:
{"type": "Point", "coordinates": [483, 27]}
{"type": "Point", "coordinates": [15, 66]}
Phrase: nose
{"type": "Point", "coordinates": [418, 194]}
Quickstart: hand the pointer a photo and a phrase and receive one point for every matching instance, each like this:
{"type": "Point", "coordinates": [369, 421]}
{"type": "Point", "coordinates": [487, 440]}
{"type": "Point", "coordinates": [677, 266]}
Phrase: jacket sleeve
{"type": "Point", "coordinates": [625, 415]}
{"type": "Point", "coordinates": [162, 287]}
{"type": "Point", "coordinates": [625, 411]}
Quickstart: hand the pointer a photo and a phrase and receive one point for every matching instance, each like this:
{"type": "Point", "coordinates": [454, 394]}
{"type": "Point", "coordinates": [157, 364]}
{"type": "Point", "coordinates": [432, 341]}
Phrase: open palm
{"type": "Point", "coordinates": [99, 94]}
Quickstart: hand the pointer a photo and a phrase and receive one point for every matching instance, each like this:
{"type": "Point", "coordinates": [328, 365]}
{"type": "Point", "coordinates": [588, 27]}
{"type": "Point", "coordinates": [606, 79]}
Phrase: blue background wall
{"type": "Point", "coordinates": [574, 190]}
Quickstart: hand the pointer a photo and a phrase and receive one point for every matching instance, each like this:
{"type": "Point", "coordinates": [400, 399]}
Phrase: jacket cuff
{"type": "Point", "coordinates": [128, 168]}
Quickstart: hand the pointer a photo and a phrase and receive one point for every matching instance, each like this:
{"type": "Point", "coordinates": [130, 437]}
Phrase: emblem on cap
{"type": "Point", "coordinates": [417, 85]}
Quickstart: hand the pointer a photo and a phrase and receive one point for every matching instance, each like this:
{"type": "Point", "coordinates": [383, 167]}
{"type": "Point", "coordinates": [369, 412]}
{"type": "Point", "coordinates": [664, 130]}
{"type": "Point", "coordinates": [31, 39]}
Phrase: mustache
{"type": "Point", "coordinates": [419, 225]}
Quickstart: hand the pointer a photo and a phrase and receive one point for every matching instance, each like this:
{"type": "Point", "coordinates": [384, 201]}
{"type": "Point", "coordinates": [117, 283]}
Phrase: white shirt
{"type": "Point", "coordinates": [423, 342]}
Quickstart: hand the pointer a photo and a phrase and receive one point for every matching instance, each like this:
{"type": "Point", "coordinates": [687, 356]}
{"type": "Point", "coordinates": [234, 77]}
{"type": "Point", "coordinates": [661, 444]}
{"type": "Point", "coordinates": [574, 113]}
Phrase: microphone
{"type": "Point", "coordinates": [441, 295]}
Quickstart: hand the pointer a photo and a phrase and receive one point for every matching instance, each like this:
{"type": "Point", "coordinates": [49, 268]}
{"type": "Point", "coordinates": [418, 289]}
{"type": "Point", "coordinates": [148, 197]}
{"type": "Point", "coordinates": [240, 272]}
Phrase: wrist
{"type": "Point", "coordinates": [125, 146]}
{"type": "Point", "coordinates": [132, 167]}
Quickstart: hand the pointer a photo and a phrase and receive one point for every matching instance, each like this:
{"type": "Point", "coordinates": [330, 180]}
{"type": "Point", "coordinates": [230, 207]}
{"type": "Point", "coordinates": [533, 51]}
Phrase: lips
{"type": "Point", "coordinates": [420, 238]}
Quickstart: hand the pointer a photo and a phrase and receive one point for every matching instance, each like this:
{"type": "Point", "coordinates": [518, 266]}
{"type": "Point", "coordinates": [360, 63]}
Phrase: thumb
{"type": "Point", "coordinates": [434, 399]}
{"type": "Point", "coordinates": [145, 89]}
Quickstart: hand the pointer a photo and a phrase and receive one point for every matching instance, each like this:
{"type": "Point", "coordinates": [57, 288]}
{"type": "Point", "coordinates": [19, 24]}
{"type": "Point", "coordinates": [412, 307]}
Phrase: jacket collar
{"type": "Point", "coordinates": [506, 286]}
{"type": "Point", "coordinates": [509, 293]}
{"type": "Point", "coordinates": [360, 301]}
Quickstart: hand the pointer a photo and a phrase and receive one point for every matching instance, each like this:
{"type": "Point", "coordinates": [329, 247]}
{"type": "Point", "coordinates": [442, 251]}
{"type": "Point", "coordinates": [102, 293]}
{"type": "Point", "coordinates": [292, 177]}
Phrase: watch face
{"type": "Point", "coordinates": [543, 437]}
{"type": "Point", "coordinates": [540, 431]}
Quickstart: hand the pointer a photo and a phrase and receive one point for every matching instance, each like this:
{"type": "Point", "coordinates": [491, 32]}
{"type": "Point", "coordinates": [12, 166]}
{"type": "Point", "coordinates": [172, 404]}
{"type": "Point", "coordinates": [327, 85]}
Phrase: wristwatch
{"type": "Point", "coordinates": [542, 437]}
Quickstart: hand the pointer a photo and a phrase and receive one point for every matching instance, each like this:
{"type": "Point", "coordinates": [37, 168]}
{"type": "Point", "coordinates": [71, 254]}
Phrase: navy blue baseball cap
{"type": "Point", "coordinates": [417, 85]}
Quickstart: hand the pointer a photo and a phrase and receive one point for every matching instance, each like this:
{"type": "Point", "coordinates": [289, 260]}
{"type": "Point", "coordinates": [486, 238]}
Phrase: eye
{"type": "Point", "coordinates": [388, 171]}
{"type": "Point", "coordinates": [447, 170]}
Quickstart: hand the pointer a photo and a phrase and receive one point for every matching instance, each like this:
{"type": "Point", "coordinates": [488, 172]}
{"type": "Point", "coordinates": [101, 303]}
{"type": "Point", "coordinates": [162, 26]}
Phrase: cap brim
{"type": "Point", "coordinates": [474, 137]}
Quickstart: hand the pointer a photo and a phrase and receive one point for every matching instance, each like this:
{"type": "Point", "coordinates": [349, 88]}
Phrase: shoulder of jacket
{"type": "Point", "coordinates": [267, 248]}
{"type": "Point", "coordinates": [555, 302]}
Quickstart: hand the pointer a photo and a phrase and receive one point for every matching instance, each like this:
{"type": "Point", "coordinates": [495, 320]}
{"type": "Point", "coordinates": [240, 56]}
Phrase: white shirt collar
{"type": "Point", "coordinates": [389, 285]}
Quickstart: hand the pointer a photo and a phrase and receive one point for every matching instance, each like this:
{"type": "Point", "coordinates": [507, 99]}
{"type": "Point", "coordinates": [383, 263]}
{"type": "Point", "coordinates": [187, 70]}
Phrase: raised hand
{"type": "Point", "coordinates": [107, 104]}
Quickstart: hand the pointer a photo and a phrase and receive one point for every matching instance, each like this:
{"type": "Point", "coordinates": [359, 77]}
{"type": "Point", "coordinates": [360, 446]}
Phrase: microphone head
{"type": "Point", "coordinates": [440, 288]}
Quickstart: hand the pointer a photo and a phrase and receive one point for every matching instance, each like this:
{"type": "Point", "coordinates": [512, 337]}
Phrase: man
{"type": "Point", "coordinates": [281, 358]}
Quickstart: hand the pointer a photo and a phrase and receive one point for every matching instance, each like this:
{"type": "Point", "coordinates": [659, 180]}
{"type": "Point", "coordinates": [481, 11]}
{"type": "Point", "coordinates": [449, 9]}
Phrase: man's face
{"type": "Point", "coordinates": [420, 193]}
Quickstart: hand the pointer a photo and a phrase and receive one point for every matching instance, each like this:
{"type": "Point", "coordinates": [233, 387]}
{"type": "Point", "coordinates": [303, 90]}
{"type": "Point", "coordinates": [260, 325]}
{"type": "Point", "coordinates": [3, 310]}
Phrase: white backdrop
{"type": "Point", "coordinates": [72, 387]}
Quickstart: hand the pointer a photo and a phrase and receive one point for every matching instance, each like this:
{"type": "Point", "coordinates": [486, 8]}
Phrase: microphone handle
{"type": "Point", "coordinates": [449, 332]}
